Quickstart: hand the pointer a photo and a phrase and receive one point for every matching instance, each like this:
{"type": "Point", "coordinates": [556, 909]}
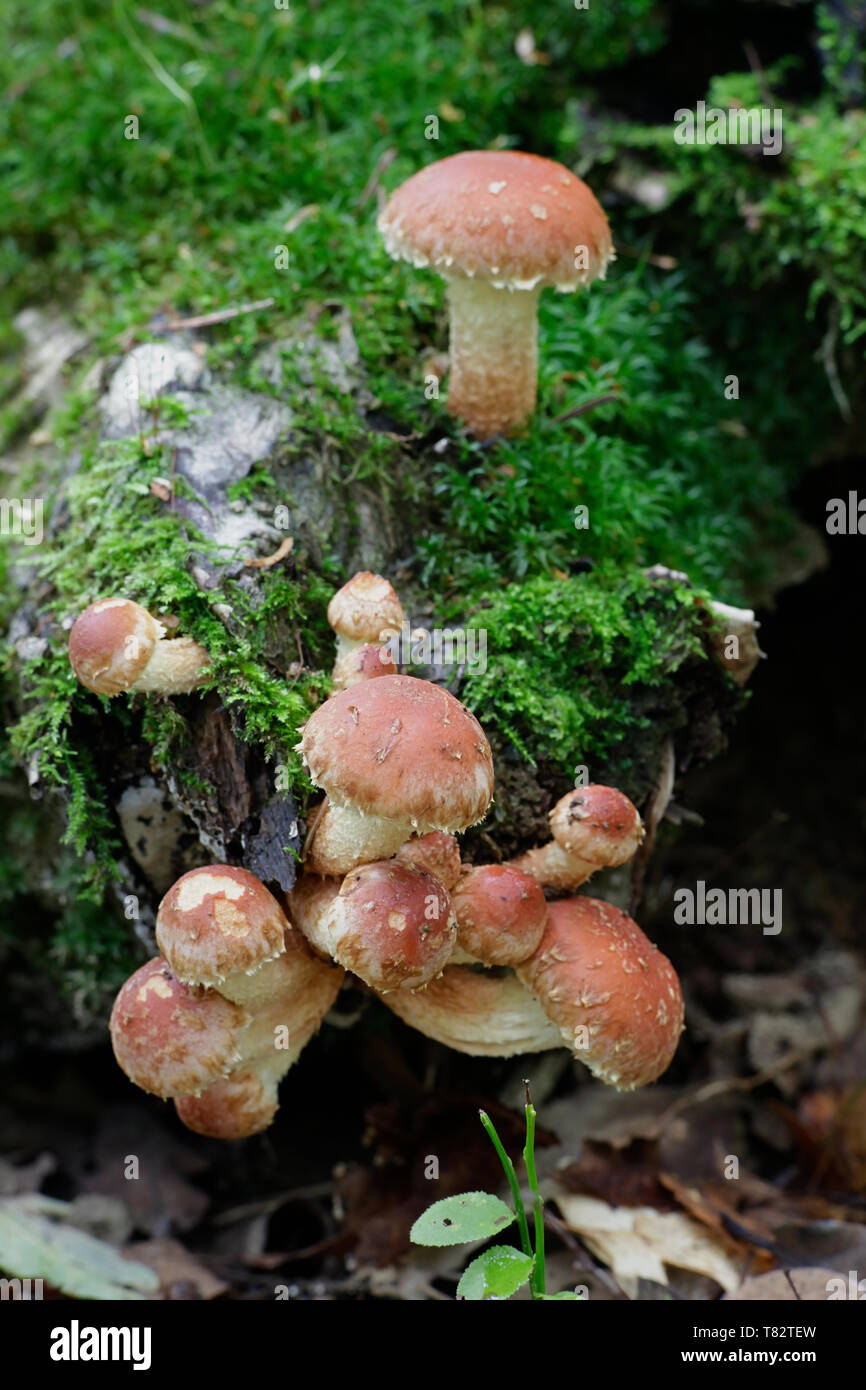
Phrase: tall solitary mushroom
{"type": "Point", "coordinates": [498, 226]}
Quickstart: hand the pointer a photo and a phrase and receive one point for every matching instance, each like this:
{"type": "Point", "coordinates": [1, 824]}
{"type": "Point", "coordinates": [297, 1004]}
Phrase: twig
{"type": "Point", "coordinates": [659, 261]}
{"type": "Point", "coordinates": [220, 315]}
{"type": "Point", "coordinates": [739, 1083]}
{"type": "Point", "coordinates": [576, 410]}
{"type": "Point", "coordinates": [385, 160]}
{"type": "Point", "coordinates": [755, 64]}
{"type": "Point", "coordinates": [265, 562]}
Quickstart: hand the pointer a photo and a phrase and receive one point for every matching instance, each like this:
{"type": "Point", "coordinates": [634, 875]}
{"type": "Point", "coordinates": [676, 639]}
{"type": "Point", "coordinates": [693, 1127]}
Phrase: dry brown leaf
{"type": "Point", "coordinates": [638, 1242]}
{"type": "Point", "coordinates": [180, 1274]}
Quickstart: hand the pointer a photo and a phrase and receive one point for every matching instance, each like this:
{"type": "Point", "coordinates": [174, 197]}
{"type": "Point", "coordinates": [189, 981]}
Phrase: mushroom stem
{"type": "Point", "coordinates": [482, 1015]}
{"type": "Point", "coordinates": [344, 837]}
{"type": "Point", "coordinates": [176, 667]}
{"type": "Point", "coordinates": [494, 356]}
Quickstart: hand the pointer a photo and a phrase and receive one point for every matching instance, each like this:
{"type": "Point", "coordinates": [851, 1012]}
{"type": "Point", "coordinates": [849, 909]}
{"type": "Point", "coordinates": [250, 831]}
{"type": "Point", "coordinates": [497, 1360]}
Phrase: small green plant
{"type": "Point", "coordinates": [501, 1270]}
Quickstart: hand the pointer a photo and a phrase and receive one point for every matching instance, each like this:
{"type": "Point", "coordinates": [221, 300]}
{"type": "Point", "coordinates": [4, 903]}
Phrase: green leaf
{"type": "Point", "coordinates": [567, 1293]}
{"type": "Point", "coordinates": [34, 1245]}
{"type": "Point", "coordinates": [454, 1220]}
{"type": "Point", "coordinates": [498, 1273]}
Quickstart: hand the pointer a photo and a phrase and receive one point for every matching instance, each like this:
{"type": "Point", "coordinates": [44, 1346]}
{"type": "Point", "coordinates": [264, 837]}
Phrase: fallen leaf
{"type": "Point", "coordinates": [638, 1242]}
{"type": "Point", "coordinates": [177, 1269]}
{"type": "Point", "coordinates": [36, 1243]}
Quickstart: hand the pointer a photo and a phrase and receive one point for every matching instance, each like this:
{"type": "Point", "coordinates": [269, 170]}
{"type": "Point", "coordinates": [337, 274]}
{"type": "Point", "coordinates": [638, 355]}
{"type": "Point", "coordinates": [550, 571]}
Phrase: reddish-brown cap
{"type": "Point", "coordinates": [391, 925]}
{"type": "Point", "coordinates": [615, 998]}
{"type": "Point", "coordinates": [404, 749]}
{"type": "Point", "coordinates": [514, 219]}
{"type": "Point", "coordinates": [501, 914]}
{"type": "Point", "coordinates": [171, 1039]}
{"type": "Point", "coordinates": [111, 643]}
{"type": "Point", "coordinates": [438, 853]}
{"type": "Point", "coordinates": [217, 922]}
{"type": "Point", "coordinates": [235, 1108]}
{"type": "Point", "coordinates": [362, 664]}
{"type": "Point", "coordinates": [365, 608]}
{"type": "Point", "coordinates": [598, 824]}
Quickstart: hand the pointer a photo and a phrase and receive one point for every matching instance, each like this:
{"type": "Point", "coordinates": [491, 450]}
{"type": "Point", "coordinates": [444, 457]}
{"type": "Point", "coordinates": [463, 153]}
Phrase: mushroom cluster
{"type": "Point", "coordinates": [474, 956]}
{"type": "Point", "coordinates": [217, 1020]}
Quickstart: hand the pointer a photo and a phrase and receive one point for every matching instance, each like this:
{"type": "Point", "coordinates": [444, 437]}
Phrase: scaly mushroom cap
{"type": "Point", "coordinates": [111, 643]}
{"type": "Point", "coordinates": [476, 1013]}
{"type": "Point", "coordinates": [391, 924]}
{"type": "Point", "coordinates": [501, 914]}
{"type": "Point", "coordinates": [365, 609]}
{"type": "Point", "coordinates": [218, 922]}
{"type": "Point", "coordinates": [615, 997]}
{"type": "Point", "coordinates": [237, 1107]}
{"type": "Point", "coordinates": [171, 1039]}
{"type": "Point", "coordinates": [514, 219]}
{"type": "Point", "coordinates": [403, 749]}
{"type": "Point", "coordinates": [597, 823]}
{"type": "Point", "coordinates": [438, 853]}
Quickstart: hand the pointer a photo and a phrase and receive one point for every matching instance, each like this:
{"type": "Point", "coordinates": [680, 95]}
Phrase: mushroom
{"type": "Point", "coordinates": [236, 1107]}
{"type": "Point", "coordinates": [499, 226]}
{"type": "Point", "coordinates": [362, 664]}
{"type": "Point", "coordinates": [594, 827]}
{"type": "Point", "coordinates": [230, 1011]}
{"type": "Point", "coordinates": [219, 926]}
{"type": "Point", "coordinates": [614, 997]}
{"type": "Point", "coordinates": [477, 1013]}
{"type": "Point", "coordinates": [501, 915]}
{"type": "Point", "coordinates": [170, 1038]}
{"type": "Point", "coordinates": [365, 611]}
{"type": "Point", "coordinates": [116, 645]}
{"type": "Point", "coordinates": [438, 853]}
{"type": "Point", "coordinates": [389, 923]}
{"type": "Point", "coordinates": [396, 755]}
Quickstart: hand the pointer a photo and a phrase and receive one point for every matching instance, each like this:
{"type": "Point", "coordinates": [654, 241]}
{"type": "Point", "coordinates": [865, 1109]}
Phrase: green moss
{"type": "Point", "coordinates": [570, 660]}
{"type": "Point", "coordinates": [120, 539]}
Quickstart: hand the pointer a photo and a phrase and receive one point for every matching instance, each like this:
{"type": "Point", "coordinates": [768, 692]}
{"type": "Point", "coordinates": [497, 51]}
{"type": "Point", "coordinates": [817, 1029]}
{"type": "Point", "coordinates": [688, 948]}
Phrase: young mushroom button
{"type": "Point", "coordinates": [594, 827]}
{"type": "Point", "coordinates": [116, 645]}
{"type": "Point", "coordinates": [499, 226]}
{"type": "Point", "coordinates": [396, 756]}
{"type": "Point", "coordinates": [365, 613]}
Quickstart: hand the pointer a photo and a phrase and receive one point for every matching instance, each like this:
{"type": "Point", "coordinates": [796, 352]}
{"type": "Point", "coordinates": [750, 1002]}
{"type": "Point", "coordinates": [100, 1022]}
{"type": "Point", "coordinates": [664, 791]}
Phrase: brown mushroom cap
{"type": "Point", "coordinates": [391, 925]}
{"type": "Point", "coordinates": [501, 914]}
{"type": "Point", "coordinates": [615, 997]}
{"type": "Point", "coordinates": [111, 643]}
{"type": "Point", "coordinates": [234, 1108]}
{"type": "Point", "coordinates": [402, 749]}
{"type": "Point", "coordinates": [171, 1039]}
{"type": "Point", "coordinates": [362, 664]}
{"type": "Point", "coordinates": [218, 922]}
{"type": "Point", "coordinates": [438, 853]}
{"type": "Point", "coordinates": [365, 608]}
{"type": "Point", "coordinates": [597, 823]}
{"type": "Point", "coordinates": [514, 219]}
